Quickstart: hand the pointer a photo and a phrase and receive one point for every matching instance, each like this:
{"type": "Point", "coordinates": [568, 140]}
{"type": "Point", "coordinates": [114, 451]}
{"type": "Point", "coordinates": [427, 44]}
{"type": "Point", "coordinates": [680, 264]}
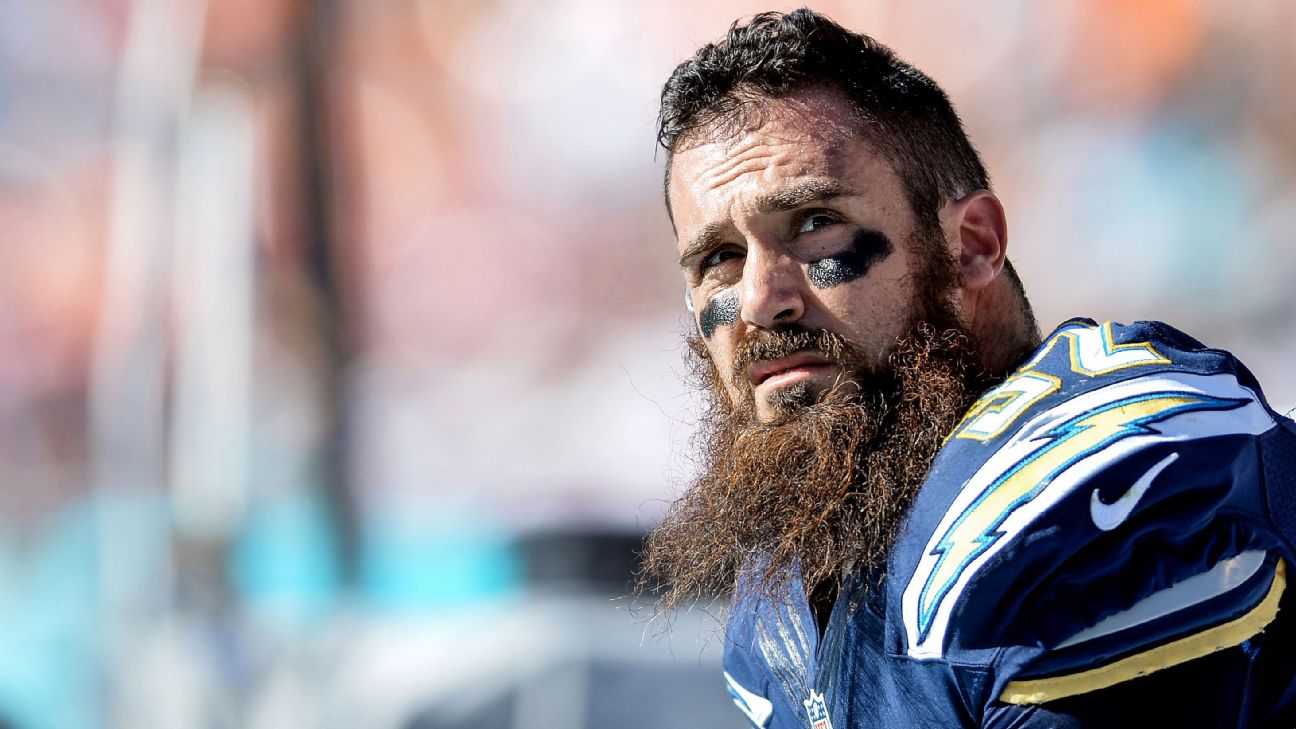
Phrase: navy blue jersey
{"type": "Point", "coordinates": [1102, 541]}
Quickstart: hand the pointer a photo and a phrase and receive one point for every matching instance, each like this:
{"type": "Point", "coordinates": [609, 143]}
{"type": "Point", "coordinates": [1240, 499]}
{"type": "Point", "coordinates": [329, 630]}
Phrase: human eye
{"type": "Point", "coordinates": [816, 220]}
{"type": "Point", "coordinates": [716, 258]}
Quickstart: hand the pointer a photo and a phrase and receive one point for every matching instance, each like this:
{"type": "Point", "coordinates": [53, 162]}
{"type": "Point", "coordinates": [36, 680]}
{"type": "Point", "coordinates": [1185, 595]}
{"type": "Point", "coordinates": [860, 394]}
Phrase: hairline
{"type": "Point", "coordinates": [747, 102]}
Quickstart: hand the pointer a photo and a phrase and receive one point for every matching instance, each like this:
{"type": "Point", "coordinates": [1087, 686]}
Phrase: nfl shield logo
{"type": "Point", "coordinates": [818, 711]}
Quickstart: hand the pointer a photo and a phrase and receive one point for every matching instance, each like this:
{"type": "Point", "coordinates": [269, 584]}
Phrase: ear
{"type": "Point", "coordinates": [981, 229]}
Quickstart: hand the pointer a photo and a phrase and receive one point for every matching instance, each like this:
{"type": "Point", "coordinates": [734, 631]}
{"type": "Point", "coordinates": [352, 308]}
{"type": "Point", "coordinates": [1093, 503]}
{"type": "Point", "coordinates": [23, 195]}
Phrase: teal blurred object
{"type": "Point", "coordinates": [48, 619]}
{"type": "Point", "coordinates": [1167, 198]}
{"type": "Point", "coordinates": [284, 561]}
{"type": "Point", "coordinates": [55, 609]}
{"type": "Point", "coordinates": [411, 561]}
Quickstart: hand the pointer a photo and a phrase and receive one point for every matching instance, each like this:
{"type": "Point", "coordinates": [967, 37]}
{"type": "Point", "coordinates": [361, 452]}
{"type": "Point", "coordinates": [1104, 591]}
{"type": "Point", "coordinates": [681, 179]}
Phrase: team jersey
{"type": "Point", "coordinates": [1101, 541]}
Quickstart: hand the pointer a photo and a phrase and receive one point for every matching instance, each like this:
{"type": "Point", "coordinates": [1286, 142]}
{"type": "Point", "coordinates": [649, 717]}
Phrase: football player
{"type": "Point", "coordinates": [927, 514]}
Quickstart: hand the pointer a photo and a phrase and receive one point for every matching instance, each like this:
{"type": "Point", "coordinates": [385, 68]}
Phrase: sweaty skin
{"type": "Point", "coordinates": [788, 216]}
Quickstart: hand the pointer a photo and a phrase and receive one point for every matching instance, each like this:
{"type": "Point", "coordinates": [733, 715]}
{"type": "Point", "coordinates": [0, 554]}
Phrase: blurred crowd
{"type": "Point", "coordinates": [318, 319]}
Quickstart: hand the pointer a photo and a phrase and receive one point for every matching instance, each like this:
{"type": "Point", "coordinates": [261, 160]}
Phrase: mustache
{"type": "Point", "coordinates": [769, 344]}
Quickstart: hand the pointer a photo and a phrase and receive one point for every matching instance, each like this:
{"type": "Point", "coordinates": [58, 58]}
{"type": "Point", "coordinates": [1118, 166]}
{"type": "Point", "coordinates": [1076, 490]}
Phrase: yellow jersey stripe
{"type": "Point", "coordinates": [1225, 635]}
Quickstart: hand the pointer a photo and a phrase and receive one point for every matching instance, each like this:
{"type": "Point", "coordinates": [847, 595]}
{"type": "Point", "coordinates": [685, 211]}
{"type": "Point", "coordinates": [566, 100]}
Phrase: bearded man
{"type": "Point", "coordinates": [926, 514]}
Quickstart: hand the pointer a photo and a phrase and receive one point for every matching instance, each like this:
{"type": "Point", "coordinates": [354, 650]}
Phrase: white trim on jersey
{"type": "Point", "coordinates": [1250, 418]}
{"type": "Point", "coordinates": [1216, 581]}
{"type": "Point", "coordinates": [757, 708]}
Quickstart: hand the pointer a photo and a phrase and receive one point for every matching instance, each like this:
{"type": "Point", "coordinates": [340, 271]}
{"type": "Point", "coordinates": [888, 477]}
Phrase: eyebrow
{"type": "Point", "coordinates": [789, 198]}
{"type": "Point", "coordinates": [800, 195]}
{"type": "Point", "coordinates": [706, 239]}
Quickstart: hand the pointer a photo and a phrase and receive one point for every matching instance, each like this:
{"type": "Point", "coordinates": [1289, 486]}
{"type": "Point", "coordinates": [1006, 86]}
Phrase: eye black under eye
{"type": "Point", "coordinates": [866, 248]}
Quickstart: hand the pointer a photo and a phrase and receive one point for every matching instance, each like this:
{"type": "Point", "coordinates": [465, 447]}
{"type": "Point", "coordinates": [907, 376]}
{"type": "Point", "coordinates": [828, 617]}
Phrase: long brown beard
{"type": "Point", "coordinates": [826, 488]}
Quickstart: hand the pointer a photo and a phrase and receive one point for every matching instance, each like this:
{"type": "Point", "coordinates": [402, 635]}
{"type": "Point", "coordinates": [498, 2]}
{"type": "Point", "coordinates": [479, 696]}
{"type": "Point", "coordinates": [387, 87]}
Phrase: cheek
{"type": "Point", "coordinates": [866, 249]}
{"type": "Point", "coordinates": [871, 312]}
{"type": "Point", "coordinates": [720, 311]}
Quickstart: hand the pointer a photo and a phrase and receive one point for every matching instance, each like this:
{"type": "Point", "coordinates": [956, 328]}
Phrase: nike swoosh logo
{"type": "Point", "coordinates": [1109, 516]}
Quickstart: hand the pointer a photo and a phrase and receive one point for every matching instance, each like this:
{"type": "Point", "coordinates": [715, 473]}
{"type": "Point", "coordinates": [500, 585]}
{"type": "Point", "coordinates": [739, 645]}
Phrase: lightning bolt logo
{"type": "Point", "coordinates": [977, 528]}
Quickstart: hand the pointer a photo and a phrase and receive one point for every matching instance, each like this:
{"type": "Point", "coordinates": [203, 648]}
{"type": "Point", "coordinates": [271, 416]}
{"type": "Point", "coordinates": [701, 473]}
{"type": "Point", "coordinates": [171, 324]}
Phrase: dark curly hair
{"type": "Point", "coordinates": [899, 109]}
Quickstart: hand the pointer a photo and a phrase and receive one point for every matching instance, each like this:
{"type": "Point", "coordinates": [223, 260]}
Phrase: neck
{"type": "Point", "coordinates": [1003, 327]}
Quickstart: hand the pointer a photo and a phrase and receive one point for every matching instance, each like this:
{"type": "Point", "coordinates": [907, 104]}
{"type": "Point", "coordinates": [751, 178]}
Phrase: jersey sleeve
{"type": "Point", "coordinates": [1247, 685]}
{"type": "Point", "coordinates": [1121, 528]}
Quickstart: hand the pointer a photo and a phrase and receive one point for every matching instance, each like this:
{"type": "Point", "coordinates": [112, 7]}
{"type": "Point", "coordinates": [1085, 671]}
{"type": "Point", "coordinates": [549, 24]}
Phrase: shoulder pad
{"type": "Point", "coordinates": [1116, 464]}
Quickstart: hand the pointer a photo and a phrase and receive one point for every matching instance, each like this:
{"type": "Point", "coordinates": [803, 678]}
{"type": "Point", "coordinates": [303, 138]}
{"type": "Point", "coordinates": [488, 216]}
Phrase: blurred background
{"type": "Point", "coordinates": [339, 340]}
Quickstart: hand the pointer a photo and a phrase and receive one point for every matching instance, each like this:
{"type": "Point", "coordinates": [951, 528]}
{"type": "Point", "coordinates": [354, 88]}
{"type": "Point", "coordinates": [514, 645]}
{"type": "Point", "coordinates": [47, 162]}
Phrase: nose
{"type": "Point", "coordinates": [772, 293]}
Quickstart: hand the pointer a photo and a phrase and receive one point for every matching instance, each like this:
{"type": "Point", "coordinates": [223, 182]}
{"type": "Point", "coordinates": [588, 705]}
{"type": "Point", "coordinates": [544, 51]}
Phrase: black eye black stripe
{"type": "Point", "coordinates": [719, 311]}
{"type": "Point", "coordinates": [866, 249]}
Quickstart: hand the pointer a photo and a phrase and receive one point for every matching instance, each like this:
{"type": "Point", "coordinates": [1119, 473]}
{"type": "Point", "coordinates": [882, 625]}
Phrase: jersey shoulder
{"type": "Point", "coordinates": [1119, 462]}
{"type": "Point", "coordinates": [1080, 356]}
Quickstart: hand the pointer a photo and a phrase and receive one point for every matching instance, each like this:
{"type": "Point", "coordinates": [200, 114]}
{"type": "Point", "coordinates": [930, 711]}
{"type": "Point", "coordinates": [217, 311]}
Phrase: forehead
{"type": "Point", "coordinates": [814, 121]}
{"type": "Point", "coordinates": [785, 143]}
